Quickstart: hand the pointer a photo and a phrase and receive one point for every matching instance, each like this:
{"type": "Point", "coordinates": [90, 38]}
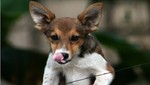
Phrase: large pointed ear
{"type": "Point", "coordinates": [40, 15]}
{"type": "Point", "coordinates": [90, 17]}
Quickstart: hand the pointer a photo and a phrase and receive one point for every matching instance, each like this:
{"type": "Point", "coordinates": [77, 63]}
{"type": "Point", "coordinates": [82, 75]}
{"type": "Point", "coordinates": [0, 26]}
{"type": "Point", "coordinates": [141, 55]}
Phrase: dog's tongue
{"type": "Point", "coordinates": [58, 57]}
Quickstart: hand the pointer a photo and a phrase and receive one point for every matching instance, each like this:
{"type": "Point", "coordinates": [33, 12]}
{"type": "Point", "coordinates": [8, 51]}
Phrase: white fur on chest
{"type": "Point", "coordinates": [80, 68]}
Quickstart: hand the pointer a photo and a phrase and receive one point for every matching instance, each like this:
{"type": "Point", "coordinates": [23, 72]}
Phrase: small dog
{"type": "Point", "coordinates": [75, 54]}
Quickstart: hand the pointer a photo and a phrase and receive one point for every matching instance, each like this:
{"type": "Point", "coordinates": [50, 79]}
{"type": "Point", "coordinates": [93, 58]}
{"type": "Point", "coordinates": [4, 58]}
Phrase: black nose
{"type": "Point", "coordinates": [65, 55]}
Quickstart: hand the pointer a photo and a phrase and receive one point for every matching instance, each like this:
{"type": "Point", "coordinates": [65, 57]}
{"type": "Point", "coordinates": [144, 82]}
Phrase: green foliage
{"type": "Point", "coordinates": [11, 10]}
{"type": "Point", "coordinates": [130, 53]}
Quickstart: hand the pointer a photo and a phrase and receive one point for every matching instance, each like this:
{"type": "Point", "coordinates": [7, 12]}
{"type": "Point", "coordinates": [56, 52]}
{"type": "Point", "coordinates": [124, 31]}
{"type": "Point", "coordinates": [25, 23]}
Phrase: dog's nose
{"type": "Point", "coordinates": [65, 55]}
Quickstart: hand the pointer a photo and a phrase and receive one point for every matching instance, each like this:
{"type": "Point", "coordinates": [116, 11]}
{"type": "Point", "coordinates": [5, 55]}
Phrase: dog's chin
{"type": "Point", "coordinates": [65, 62]}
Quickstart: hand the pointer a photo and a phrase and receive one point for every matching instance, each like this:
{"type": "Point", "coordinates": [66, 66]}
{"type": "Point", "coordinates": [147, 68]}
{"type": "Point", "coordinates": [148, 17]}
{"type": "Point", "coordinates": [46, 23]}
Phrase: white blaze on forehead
{"type": "Point", "coordinates": [62, 50]}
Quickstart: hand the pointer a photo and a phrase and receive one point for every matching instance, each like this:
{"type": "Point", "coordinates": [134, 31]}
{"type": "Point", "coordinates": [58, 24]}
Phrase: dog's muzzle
{"type": "Point", "coordinates": [61, 58]}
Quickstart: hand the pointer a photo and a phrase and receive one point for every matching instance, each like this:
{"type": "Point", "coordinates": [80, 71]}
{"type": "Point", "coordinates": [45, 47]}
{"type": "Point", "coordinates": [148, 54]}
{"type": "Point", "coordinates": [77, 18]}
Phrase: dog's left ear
{"type": "Point", "coordinates": [90, 17]}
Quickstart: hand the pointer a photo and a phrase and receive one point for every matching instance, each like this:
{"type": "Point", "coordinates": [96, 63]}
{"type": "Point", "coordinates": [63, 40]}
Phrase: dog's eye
{"type": "Point", "coordinates": [54, 37]}
{"type": "Point", "coordinates": [75, 38]}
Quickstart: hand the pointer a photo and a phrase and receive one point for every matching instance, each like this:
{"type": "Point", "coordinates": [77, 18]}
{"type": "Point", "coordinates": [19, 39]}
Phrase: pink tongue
{"type": "Point", "coordinates": [58, 57]}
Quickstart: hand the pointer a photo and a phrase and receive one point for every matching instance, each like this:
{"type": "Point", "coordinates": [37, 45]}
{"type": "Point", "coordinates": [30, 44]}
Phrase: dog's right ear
{"type": "Point", "coordinates": [90, 17]}
{"type": "Point", "coordinates": [40, 15]}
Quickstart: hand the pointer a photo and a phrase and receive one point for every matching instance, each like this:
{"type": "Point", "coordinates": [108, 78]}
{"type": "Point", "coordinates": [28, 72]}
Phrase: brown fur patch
{"type": "Point", "coordinates": [110, 69]}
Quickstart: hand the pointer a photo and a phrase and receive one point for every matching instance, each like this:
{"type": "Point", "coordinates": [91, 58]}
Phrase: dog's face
{"type": "Point", "coordinates": [66, 35]}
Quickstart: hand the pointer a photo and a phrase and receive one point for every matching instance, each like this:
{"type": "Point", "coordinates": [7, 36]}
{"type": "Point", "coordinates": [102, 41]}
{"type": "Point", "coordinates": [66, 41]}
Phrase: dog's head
{"type": "Point", "coordinates": [66, 35]}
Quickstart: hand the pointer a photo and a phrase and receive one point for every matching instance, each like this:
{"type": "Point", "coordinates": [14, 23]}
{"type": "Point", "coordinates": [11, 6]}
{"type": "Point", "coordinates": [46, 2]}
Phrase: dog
{"type": "Point", "coordinates": [75, 54]}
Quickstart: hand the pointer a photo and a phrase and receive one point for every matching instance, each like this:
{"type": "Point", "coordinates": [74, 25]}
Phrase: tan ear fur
{"type": "Point", "coordinates": [90, 17]}
{"type": "Point", "coordinates": [40, 15]}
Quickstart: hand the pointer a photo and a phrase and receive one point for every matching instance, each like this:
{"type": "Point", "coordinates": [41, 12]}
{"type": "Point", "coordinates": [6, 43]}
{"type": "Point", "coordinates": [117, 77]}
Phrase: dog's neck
{"type": "Point", "coordinates": [90, 45]}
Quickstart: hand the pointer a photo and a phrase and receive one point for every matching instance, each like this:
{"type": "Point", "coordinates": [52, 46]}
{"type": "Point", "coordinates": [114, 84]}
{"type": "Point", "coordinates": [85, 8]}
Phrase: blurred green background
{"type": "Point", "coordinates": [124, 35]}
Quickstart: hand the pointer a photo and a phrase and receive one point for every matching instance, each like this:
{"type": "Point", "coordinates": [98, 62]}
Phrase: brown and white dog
{"type": "Point", "coordinates": [74, 51]}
